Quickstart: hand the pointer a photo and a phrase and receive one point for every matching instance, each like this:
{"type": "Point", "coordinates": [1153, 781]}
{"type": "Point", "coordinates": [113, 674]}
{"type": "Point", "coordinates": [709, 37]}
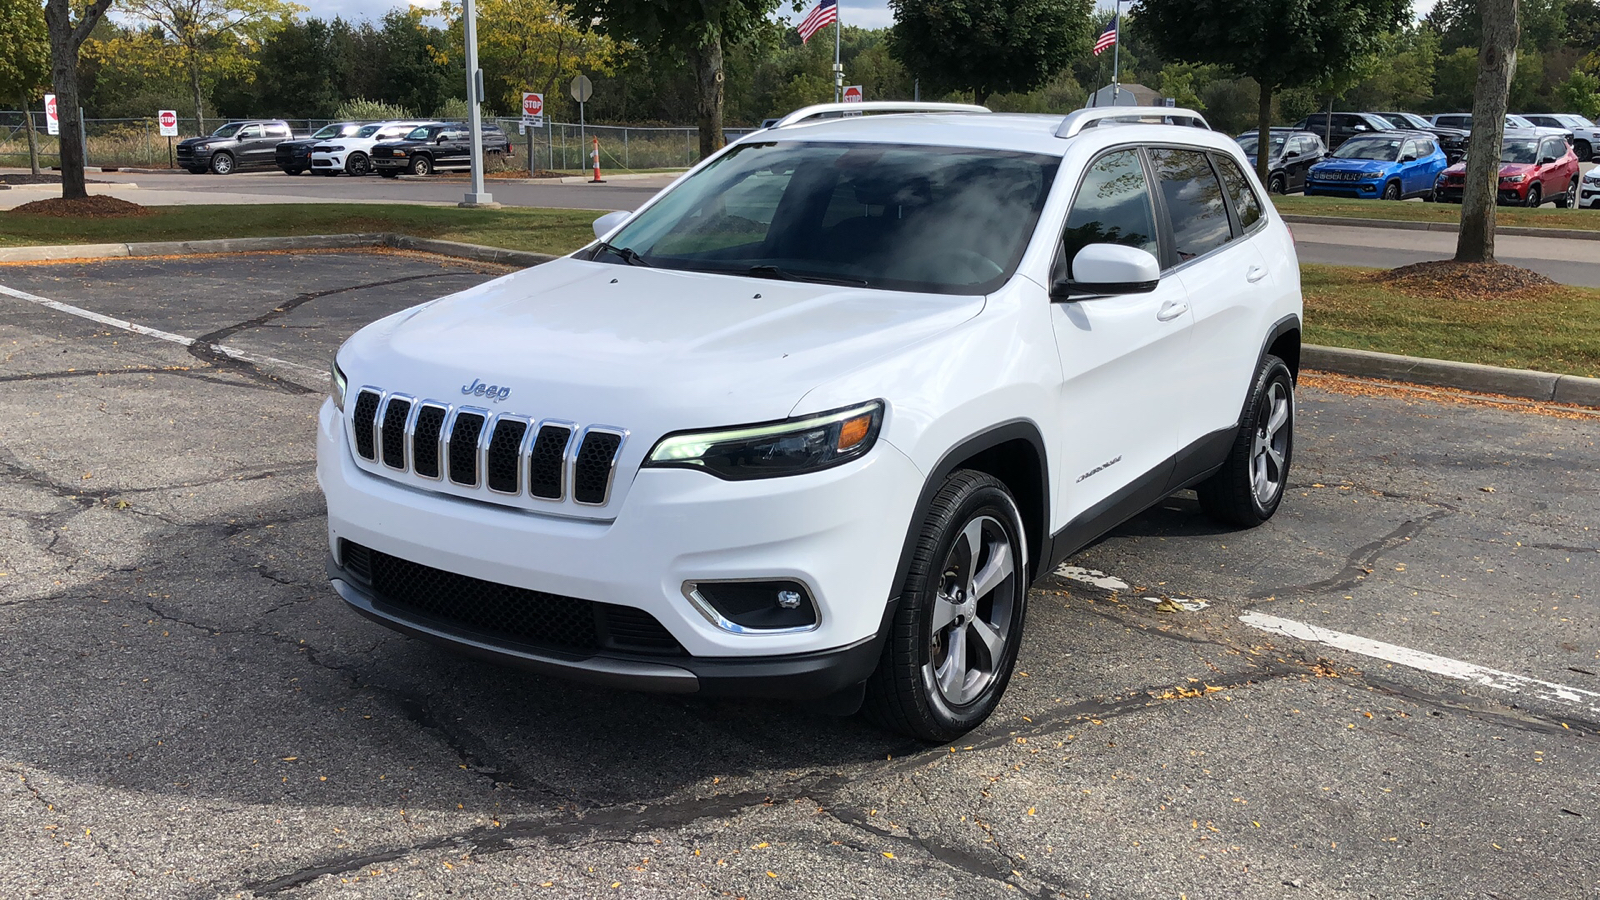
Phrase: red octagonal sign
{"type": "Point", "coordinates": [532, 104]}
{"type": "Point", "coordinates": [169, 119]}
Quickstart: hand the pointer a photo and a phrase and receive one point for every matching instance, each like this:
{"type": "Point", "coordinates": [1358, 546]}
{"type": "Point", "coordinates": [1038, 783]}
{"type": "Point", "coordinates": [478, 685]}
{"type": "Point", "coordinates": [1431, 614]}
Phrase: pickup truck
{"type": "Point", "coordinates": [440, 145]}
{"type": "Point", "coordinates": [248, 144]}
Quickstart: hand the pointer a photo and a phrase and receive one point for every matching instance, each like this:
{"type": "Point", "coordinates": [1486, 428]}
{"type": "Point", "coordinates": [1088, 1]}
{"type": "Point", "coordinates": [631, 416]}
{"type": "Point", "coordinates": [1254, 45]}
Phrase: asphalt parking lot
{"type": "Point", "coordinates": [189, 712]}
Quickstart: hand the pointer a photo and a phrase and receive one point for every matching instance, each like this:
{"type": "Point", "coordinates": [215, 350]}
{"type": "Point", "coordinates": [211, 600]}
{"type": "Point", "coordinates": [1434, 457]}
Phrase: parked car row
{"type": "Point", "coordinates": [1535, 168]}
{"type": "Point", "coordinates": [421, 146]}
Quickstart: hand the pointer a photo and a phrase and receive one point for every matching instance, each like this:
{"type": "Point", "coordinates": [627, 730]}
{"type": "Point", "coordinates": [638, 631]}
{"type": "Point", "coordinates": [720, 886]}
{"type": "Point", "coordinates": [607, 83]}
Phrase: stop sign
{"type": "Point", "coordinates": [532, 104]}
{"type": "Point", "coordinates": [852, 94]}
{"type": "Point", "coordinates": [169, 119]}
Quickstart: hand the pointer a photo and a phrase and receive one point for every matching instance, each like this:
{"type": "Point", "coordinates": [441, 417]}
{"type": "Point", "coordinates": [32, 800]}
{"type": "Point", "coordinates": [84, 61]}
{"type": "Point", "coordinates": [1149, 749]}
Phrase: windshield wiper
{"type": "Point", "coordinates": [781, 274]}
{"type": "Point", "coordinates": [627, 254]}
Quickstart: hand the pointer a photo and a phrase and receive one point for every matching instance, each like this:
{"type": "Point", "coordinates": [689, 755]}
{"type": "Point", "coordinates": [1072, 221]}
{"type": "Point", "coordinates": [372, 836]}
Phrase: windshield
{"type": "Point", "coordinates": [1525, 152]}
{"type": "Point", "coordinates": [1274, 144]}
{"type": "Point", "coordinates": [368, 131]}
{"type": "Point", "coordinates": [1407, 119]}
{"type": "Point", "coordinates": [1518, 122]}
{"type": "Point", "coordinates": [938, 219]}
{"type": "Point", "coordinates": [328, 131]}
{"type": "Point", "coordinates": [228, 130]}
{"type": "Point", "coordinates": [1382, 149]}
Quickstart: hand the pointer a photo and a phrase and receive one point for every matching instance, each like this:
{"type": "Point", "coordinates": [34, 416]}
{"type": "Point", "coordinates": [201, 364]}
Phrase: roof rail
{"type": "Point", "coordinates": [1077, 121]}
{"type": "Point", "coordinates": [900, 106]}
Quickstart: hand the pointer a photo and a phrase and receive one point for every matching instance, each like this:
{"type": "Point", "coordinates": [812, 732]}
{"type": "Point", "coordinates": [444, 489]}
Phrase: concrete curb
{"type": "Point", "coordinates": [475, 252]}
{"type": "Point", "coordinates": [1543, 386]}
{"type": "Point", "coordinates": [1571, 234]}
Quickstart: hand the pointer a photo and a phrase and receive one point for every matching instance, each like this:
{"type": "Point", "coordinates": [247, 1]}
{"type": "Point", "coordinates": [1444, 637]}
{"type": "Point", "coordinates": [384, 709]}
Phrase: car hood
{"type": "Point", "coordinates": [1460, 168]}
{"type": "Point", "coordinates": [1352, 165]}
{"type": "Point", "coordinates": [205, 139]}
{"type": "Point", "coordinates": [400, 144]}
{"type": "Point", "coordinates": [650, 350]}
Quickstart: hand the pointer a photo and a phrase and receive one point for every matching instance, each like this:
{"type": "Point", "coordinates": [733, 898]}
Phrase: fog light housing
{"type": "Point", "coordinates": [761, 606]}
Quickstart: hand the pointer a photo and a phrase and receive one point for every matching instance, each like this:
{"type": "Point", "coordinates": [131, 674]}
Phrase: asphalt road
{"type": "Point", "coordinates": [189, 712]}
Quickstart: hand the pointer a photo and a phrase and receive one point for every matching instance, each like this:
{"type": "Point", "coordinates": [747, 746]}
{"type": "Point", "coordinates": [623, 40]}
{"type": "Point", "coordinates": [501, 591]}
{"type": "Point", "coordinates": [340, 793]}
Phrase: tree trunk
{"type": "Point", "coordinates": [1264, 133]}
{"type": "Point", "coordinates": [708, 74]}
{"type": "Point", "coordinates": [64, 78]}
{"type": "Point", "coordinates": [1497, 60]}
{"type": "Point", "coordinates": [199, 104]}
{"type": "Point", "coordinates": [33, 137]}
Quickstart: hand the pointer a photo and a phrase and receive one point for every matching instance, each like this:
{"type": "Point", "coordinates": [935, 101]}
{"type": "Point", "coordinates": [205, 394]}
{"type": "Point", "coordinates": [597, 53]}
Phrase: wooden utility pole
{"type": "Point", "coordinates": [1497, 60]}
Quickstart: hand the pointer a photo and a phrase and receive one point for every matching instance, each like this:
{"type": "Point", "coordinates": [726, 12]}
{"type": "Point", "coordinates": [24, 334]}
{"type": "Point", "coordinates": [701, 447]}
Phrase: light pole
{"type": "Point", "coordinates": [478, 196]}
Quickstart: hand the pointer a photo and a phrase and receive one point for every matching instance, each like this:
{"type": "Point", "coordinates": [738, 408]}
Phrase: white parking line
{"type": "Point", "coordinates": [1588, 701]}
{"type": "Point", "coordinates": [230, 352]}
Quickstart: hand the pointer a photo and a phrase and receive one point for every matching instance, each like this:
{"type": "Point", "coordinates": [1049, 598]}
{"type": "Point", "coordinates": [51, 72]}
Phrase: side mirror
{"type": "Point", "coordinates": [610, 222]}
{"type": "Point", "coordinates": [1547, 160]}
{"type": "Point", "coordinates": [1359, 128]}
{"type": "Point", "coordinates": [1104, 269]}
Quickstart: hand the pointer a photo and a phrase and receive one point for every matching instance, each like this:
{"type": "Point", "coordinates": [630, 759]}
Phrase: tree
{"type": "Point", "coordinates": [988, 46]}
{"type": "Point", "coordinates": [66, 39]}
{"type": "Point", "coordinates": [698, 29]}
{"type": "Point", "coordinates": [211, 38]}
{"type": "Point", "coordinates": [1279, 43]}
{"type": "Point", "coordinates": [1497, 59]}
{"type": "Point", "coordinates": [24, 62]}
{"type": "Point", "coordinates": [532, 45]}
{"type": "Point", "coordinates": [1581, 94]}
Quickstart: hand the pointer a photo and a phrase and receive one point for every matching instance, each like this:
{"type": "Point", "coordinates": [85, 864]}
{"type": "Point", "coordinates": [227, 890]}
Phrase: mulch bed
{"type": "Point", "coordinates": [97, 206]}
{"type": "Point", "coordinates": [1448, 279]}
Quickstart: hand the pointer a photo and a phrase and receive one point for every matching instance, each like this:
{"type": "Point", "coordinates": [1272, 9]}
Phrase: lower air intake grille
{"type": "Point", "coordinates": [365, 414]}
{"type": "Point", "coordinates": [512, 614]}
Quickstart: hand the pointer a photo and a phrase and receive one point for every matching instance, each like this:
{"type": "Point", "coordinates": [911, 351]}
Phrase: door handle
{"type": "Point", "coordinates": [1255, 274]}
{"type": "Point", "coordinates": [1171, 310]}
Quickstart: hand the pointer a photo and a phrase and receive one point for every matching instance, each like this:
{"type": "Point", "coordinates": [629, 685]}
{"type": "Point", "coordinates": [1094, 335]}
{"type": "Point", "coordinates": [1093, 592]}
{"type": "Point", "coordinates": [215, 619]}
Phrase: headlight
{"type": "Point", "coordinates": [1371, 176]}
{"type": "Point", "coordinates": [337, 148]}
{"type": "Point", "coordinates": [1592, 175]}
{"type": "Point", "coordinates": [337, 384]}
{"type": "Point", "coordinates": [770, 450]}
{"type": "Point", "coordinates": [1513, 179]}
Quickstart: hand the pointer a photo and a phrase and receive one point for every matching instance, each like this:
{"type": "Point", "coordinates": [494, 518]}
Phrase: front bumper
{"type": "Point", "coordinates": [390, 162]}
{"type": "Point", "coordinates": [1588, 194]}
{"type": "Point", "coordinates": [1367, 189]}
{"type": "Point", "coordinates": [328, 161]}
{"type": "Point", "coordinates": [839, 532]}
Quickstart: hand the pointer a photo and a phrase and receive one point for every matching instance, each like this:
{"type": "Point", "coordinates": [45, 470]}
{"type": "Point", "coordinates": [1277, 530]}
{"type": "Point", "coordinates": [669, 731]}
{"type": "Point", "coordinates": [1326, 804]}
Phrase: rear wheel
{"type": "Point", "coordinates": [1247, 489]}
{"type": "Point", "coordinates": [1570, 198]}
{"type": "Point", "coordinates": [953, 642]}
{"type": "Point", "coordinates": [1391, 191]}
{"type": "Point", "coordinates": [1535, 197]}
{"type": "Point", "coordinates": [421, 165]}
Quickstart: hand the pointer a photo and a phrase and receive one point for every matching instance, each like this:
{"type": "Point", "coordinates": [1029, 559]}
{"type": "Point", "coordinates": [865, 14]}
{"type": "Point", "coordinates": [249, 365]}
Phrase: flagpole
{"type": "Point", "coordinates": [1116, 57]}
{"type": "Point", "coordinates": [838, 70]}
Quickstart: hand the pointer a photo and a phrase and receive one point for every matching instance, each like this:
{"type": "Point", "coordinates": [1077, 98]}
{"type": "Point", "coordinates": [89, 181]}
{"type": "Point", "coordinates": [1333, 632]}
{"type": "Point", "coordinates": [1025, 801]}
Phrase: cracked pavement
{"type": "Point", "coordinates": [189, 711]}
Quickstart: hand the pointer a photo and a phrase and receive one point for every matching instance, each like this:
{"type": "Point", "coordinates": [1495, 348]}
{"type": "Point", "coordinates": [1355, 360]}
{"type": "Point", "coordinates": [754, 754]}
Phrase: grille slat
{"type": "Point", "coordinates": [464, 448]}
{"type": "Point", "coordinates": [506, 613]}
{"type": "Point", "coordinates": [394, 432]}
{"type": "Point", "coordinates": [425, 443]}
{"type": "Point", "coordinates": [547, 462]}
{"type": "Point", "coordinates": [591, 474]}
{"type": "Point", "coordinates": [475, 448]}
{"type": "Point", "coordinates": [503, 463]}
{"type": "Point", "coordinates": [366, 412]}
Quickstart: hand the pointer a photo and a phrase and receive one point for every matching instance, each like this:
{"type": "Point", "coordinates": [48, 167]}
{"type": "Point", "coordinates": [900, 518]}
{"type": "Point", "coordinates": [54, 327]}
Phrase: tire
{"type": "Point", "coordinates": [1570, 198]}
{"type": "Point", "coordinates": [222, 163]}
{"type": "Point", "coordinates": [358, 164]}
{"type": "Point", "coordinates": [952, 644]}
{"type": "Point", "coordinates": [1428, 197]}
{"type": "Point", "coordinates": [1535, 197]}
{"type": "Point", "coordinates": [1247, 489]}
{"type": "Point", "coordinates": [1584, 150]}
{"type": "Point", "coordinates": [1391, 191]}
{"type": "Point", "coordinates": [420, 165]}
{"type": "Point", "coordinates": [1277, 185]}
{"type": "Point", "coordinates": [388, 173]}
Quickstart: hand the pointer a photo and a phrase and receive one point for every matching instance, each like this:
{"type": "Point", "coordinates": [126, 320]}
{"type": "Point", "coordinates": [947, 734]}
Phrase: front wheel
{"type": "Point", "coordinates": [222, 163]}
{"type": "Point", "coordinates": [421, 165]}
{"type": "Point", "coordinates": [1391, 191]}
{"type": "Point", "coordinates": [358, 164]}
{"type": "Point", "coordinates": [1277, 185]}
{"type": "Point", "coordinates": [1584, 150]}
{"type": "Point", "coordinates": [1570, 198]}
{"type": "Point", "coordinates": [1247, 489]}
{"type": "Point", "coordinates": [953, 642]}
{"type": "Point", "coordinates": [1535, 197]}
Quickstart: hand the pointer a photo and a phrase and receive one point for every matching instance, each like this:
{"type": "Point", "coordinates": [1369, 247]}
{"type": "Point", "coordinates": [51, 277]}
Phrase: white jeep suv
{"type": "Point", "coordinates": [354, 154]}
{"type": "Point", "coordinates": [810, 422]}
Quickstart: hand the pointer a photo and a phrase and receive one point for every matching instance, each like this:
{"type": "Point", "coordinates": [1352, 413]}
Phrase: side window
{"type": "Point", "coordinates": [1556, 147]}
{"type": "Point", "coordinates": [1245, 202]}
{"type": "Point", "coordinates": [1424, 149]}
{"type": "Point", "coordinates": [1194, 201]}
{"type": "Point", "coordinates": [278, 131]}
{"type": "Point", "coordinates": [1319, 120]}
{"type": "Point", "coordinates": [1112, 207]}
{"type": "Point", "coordinates": [249, 132]}
{"type": "Point", "coordinates": [1411, 149]}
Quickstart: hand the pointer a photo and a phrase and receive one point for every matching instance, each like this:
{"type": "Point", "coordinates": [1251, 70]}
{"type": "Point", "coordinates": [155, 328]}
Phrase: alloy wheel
{"type": "Point", "coordinates": [1271, 444]}
{"type": "Point", "coordinates": [973, 613]}
{"type": "Point", "coordinates": [1391, 191]}
{"type": "Point", "coordinates": [1534, 198]}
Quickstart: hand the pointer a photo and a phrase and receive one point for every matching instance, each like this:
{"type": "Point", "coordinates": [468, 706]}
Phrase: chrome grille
{"type": "Point", "coordinates": [470, 449]}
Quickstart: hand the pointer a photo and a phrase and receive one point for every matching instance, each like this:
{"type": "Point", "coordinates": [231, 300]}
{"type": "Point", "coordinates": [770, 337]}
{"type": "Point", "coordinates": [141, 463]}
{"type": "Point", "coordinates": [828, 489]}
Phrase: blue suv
{"type": "Point", "coordinates": [1392, 165]}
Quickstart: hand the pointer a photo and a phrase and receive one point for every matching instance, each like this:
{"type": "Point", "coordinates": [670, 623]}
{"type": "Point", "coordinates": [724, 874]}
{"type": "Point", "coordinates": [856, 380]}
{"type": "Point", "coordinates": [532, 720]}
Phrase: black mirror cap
{"type": "Point", "coordinates": [1067, 291]}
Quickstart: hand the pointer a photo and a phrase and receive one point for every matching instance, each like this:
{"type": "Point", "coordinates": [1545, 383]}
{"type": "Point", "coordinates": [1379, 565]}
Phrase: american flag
{"type": "Point", "coordinates": [826, 13]}
{"type": "Point", "coordinates": [1107, 38]}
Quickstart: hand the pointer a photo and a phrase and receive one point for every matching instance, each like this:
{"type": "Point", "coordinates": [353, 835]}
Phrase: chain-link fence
{"type": "Point", "coordinates": [557, 146]}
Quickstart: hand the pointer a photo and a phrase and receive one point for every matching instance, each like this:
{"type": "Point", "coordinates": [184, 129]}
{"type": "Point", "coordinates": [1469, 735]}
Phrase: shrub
{"type": "Point", "coordinates": [364, 110]}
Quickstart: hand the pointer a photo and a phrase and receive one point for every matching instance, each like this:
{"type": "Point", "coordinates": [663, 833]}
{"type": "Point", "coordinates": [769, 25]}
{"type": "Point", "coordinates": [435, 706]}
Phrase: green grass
{"type": "Point", "coordinates": [538, 230]}
{"type": "Point", "coordinates": [1543, 217]}
{"type": "Point", "coordinates": [1557, 331]}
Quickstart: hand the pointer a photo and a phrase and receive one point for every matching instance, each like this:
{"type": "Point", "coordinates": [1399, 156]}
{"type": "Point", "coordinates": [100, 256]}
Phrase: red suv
{"type": "Point", "coordinates": [1535, 169]}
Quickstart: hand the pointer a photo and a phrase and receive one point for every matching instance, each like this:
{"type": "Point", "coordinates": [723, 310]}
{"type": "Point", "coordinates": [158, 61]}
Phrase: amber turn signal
{"type": "Point", "coordinates": [854, 431]}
